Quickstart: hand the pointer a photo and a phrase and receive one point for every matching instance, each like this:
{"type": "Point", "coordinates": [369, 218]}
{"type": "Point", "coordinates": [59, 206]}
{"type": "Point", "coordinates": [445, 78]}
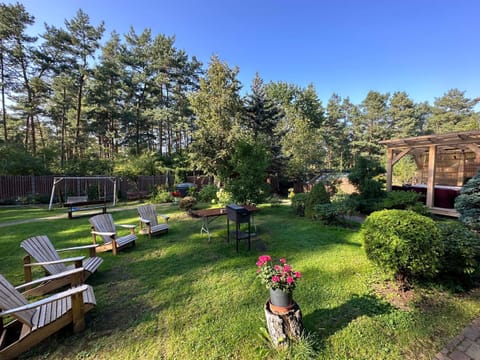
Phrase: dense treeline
{"type": "Point", "coordinates": [75, 102]}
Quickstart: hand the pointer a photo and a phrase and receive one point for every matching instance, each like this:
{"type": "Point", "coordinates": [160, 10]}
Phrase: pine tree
{"type": "Point", "coordinates": [218, 107]}
{"type": "Point", "coordinates": [262, 117]}
{"type": "Point", "coordinates": [453, 112]}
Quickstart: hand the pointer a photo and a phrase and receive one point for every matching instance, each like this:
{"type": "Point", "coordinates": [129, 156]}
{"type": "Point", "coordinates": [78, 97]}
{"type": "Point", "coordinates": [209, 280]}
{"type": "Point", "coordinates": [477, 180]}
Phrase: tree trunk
{"type": "Point", "coordinates": [4, 108]}
{"type": "Point", "coordinates": [284, 328]}
{"type": "Point", "coordinates": [78, 114]}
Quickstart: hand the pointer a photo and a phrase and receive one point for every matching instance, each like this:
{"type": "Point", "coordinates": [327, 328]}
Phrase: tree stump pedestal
{"type": "Point", "coordinates": [284, 327]}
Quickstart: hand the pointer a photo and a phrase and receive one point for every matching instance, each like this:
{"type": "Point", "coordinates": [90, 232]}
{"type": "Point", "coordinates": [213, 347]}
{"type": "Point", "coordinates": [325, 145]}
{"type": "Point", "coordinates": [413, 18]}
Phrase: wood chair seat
{"type": "Point", "coordinates": [149, 224]}
{"type": "Point", "coordinates": [104, 227]}
{"type": "Point", "coordinates": [33, 322]}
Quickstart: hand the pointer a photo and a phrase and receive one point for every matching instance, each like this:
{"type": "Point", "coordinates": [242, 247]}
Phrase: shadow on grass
{"type": "Point", "coordinates": [326, 322]}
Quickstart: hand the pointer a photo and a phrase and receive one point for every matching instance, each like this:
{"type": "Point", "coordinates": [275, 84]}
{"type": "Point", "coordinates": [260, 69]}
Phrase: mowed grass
{"type": "Point", "coordinates": [178, 296]}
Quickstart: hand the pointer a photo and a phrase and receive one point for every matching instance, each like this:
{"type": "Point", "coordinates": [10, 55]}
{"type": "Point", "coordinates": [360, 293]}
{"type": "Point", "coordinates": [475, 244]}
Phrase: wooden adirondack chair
{"type": "Point", "coordinates": [33, 322]}
{"type": "Point", "coordinates": [149, 224]}
{"type": "Point", "coordinates": [103, 226]}
{"type": "Point", "coordinates": [41, 249]}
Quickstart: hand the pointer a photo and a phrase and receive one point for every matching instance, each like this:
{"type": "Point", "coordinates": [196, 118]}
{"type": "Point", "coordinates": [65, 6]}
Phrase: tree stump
{"type": "Point", "coordinates": [286, 327]}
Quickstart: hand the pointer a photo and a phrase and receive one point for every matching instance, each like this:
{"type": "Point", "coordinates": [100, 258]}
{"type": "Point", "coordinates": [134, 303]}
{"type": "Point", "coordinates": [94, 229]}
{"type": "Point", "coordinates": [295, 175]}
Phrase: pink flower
{"type": "Point", "coordinates": [287, 268]}
{"type": "Point", "coordinates": [277, 267]}
{"type": "Point", "coordinates": [264, 258]}
{"type": "Point", "coordinates": [283, 261]}
{"type": "Point", "coordinates": [298, 275]}
{"type": "Point", "coordinates": [275, 278]}
{"type": "Point", "coordinates": [259, 263]}
{"type": "Point", "coordinates": [290, 280]}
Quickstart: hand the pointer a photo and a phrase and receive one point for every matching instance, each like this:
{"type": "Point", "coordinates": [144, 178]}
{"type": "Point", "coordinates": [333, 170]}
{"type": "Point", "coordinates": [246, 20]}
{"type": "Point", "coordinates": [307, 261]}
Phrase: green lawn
{"type": "Point", "coordinates": [180, 297]}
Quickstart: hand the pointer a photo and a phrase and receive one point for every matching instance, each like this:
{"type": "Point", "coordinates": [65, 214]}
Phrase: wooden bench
{"type": "Point", "coordinates": [81, 203]}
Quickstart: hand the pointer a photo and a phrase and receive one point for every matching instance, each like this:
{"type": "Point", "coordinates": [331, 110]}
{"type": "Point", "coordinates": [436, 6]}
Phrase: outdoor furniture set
{"type": "Point", "coordinates": [30, 323]}
{"type": "Point", "coordinates": [236, 214]}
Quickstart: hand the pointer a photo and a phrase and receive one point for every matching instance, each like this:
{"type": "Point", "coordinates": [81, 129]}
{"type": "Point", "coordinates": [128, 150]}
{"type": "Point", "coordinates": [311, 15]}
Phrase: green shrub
{"type": "Point", "coordinates": [160, 195]}
{"type": "Point", "coordinates": [208, 194]}
{"type": "Point", "coordinates": [468, 203]}
{"type": "Point", "coordinates": [187, 203]}
{"type": "Point", "coordinates": [335, 211]}
{"type": "Point", "coordinates": [192, 191]}
{"type": "Point", "coordinates": [370, 190]}
{"type": "Point", "coordinates": [328, 213]}
{"type": "Point", "coordinates": [462, 249]}
{"type": "Point", "coordinates": [318, 195]}
{"type": "Point", "coordinates": [400, 200]}
{"type": "Point", "coordinates": [224, 197]}
{"type": "Point", "coordinates": [163, 196]}
{"type": "Point", "coordinates": [403, 243]}
{"type": "Point", "coordinates": [298, 203]}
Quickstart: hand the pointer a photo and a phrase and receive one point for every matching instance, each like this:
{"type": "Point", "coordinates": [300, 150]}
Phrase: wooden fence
{"type": "Point", "coordinates": [14, 188]}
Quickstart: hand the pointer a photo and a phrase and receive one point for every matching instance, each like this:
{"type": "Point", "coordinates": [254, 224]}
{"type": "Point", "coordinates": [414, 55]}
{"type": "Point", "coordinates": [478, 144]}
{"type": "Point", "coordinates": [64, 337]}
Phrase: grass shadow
{"type": "Point", "coordinates": [326, 322]}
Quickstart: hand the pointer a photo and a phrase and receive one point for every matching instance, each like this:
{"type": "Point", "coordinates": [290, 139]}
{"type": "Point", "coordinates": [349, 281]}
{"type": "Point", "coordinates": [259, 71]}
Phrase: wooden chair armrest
{"type": "Point", "coordinates": [146, 221]}
{"type": "Point", "coordinates": [78, 247]}
{"type": "Point", "coordinates": [55, 297]}
{"type": "Point", "coordinates": [127, 226]}
{"type": "Point", "coordinates": [103, 233]}
{"type": "Point", "coordinates": [51, 277]}
{"type": "Point", "coordinates": [61, 261]}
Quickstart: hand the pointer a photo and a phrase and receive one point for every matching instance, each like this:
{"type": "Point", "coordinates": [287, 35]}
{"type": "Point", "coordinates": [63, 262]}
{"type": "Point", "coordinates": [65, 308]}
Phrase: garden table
{"type": "Point", "coordinates": [209, 215]}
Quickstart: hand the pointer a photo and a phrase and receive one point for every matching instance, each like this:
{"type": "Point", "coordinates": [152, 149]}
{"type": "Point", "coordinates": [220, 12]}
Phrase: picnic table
{"type": "Point", "coordinates": [209, 215]}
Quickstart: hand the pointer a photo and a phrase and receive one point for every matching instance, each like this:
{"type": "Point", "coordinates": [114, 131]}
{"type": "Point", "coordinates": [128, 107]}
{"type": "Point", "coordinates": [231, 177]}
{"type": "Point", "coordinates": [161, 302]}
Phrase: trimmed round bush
{"type": "Point", "coordinates": [318, 195]}
{"type": "Point", "coordinates": [403, 243]}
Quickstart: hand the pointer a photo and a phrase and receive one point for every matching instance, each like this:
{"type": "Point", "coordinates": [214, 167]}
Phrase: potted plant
{"type": "Point", "coordinates": [280, 279]}
{"type": "Point", "coordinates": [175, 195]}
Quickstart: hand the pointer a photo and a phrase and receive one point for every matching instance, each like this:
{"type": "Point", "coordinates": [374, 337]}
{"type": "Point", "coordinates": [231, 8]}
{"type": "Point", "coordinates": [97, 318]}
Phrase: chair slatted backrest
{"type": "Point", "coordinates": [148, 212]}
{"type": "Point", "coordinates": [42, 250]}
{"type": "Point", "coordinates": [103, 223]}
{"type": "Point", "coordinates": [10, 298]}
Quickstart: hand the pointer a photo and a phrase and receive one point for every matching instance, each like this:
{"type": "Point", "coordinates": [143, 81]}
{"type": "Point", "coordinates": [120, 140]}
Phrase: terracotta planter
{"type": "Point", "coordinates": [280, 301]}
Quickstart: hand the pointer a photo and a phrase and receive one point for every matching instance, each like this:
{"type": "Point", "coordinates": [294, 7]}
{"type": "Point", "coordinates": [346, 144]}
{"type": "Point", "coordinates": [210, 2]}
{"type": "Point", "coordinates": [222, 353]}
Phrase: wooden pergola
{"type": "Point", "coordinates": [464, 147]}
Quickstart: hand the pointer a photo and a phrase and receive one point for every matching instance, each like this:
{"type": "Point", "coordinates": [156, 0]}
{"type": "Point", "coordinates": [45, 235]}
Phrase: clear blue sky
{"type": "Point", "coordinates": [423, 47]}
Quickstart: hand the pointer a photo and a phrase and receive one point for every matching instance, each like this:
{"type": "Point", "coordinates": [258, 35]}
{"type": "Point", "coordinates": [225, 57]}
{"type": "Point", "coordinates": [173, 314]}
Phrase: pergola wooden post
{"type": "Point", "coordinates": [468, 141]}
{"type": "Point", "coordinates": [432, 166]}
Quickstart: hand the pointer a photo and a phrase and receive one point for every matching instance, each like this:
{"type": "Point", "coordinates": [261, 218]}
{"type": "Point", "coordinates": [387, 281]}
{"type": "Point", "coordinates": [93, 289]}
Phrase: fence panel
{"type": "Point", "coordinates": [12, 187]}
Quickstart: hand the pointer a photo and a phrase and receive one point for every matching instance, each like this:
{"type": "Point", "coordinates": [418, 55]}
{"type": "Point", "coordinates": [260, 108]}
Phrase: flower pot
{"type": "Point", "coordinates": [280, 301]}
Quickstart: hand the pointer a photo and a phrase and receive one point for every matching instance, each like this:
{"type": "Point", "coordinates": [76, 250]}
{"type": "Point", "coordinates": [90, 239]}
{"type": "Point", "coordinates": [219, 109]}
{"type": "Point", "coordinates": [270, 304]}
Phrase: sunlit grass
{"type": "Point", "coordinates": [179, 296]}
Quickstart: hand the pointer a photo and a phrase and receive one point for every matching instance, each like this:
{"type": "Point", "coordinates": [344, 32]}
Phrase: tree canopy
{"type": "Point", "coordinates": [72, 96]}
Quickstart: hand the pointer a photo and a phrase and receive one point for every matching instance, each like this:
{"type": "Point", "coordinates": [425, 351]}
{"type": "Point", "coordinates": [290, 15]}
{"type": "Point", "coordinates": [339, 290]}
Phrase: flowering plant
{"type": "Point", "coordinates": [277, 276]}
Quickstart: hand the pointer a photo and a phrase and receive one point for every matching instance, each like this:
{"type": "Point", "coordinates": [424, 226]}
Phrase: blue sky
{"type": "Point", "coordinates": [423, 47]}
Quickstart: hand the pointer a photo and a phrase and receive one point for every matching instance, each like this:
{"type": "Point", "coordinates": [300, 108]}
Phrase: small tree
{"type": "Point", "coordinates": [468, 203]}
{"type": "Point", "coordinates": [250, 164]}
{"type": "Point", "coordinates": [370, 190]}
{"type": "Point", "coordinates": [317, 196]}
